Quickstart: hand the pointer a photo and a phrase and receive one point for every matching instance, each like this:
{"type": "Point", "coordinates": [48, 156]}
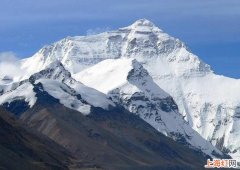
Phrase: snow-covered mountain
{"type": "Point", "coordinates": [209, 102]}
{"type": "Point", "coordinates": [142, 40]}
{"type": "Point", "coordinates": [127, 83]}
{"type": "Point", "coordinates": [58, 83]}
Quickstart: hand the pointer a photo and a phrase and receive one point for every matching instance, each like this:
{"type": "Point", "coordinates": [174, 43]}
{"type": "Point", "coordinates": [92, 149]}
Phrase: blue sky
{"type": "Point", "coordinates": [211, 28]}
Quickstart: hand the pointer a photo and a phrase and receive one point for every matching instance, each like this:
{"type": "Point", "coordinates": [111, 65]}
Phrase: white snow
{"type": "Point", "coordinates": [23, 92]}
{"type": "Point", "coordinates": [118, 69]}
{"type": "Point", "coordinates": [66, 95]}
{"type": "Point", "coordinates": [92, 96]}
{"type": "Point", "coordinates": [56, 71]}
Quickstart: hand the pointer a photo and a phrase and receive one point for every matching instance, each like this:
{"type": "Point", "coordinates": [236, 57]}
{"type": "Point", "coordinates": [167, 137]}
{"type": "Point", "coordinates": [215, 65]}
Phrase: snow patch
{"type": "Point", "coordinates": [24, 91]}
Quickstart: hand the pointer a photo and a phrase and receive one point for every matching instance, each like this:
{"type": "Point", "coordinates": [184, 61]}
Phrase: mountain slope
{"type": "Point", "coordinates": [101, 138]}
{"type": "Point", "coordinates": [128, 84]}
{"type": "Point", "coordinates": [21, 148]}
{"type": "Point", "coordinates": [101, 134]}
{"type": "Point", "coordinates": [209, 102]}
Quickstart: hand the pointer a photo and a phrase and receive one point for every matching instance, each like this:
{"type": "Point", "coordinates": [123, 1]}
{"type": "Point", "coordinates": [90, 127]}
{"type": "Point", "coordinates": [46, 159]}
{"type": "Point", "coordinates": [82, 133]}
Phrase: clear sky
{"type": "Point", "coordinates": [211, 28]}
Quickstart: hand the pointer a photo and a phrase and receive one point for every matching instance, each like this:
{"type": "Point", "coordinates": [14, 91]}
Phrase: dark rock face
{"type": "Point", "coordinates": [17, 106]}
{"type": "Point", "coordinates": [43, 96]}
{"type": "Point", "coordinates": [113, 139]}
{"type": "Point", "coordinates": [21, 148]}
{"type": "Point", "coordinates": [168, 104]}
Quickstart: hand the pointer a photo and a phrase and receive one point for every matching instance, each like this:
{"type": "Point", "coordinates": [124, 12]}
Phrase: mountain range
{"type": "Point", "coordinates": [83, 93]}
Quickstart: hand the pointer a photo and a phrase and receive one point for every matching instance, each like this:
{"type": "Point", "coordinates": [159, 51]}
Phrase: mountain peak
{"type": "Point", "coordinates": [144, 25]}
{"type": "Point", "coordinates": [143, 22]}
{"type": "Point", "coordinates": [55, 70]}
